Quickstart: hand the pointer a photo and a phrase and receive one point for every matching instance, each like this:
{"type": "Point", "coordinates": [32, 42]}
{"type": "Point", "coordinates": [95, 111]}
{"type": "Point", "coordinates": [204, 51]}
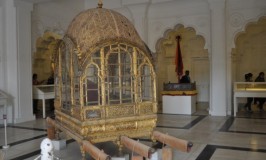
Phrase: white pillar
{"type": "Point", "coordinates": [17, 46]}
{"type": "Point", "coordinates": [25, 110]}
{"type": "Point", "coordinates": [10, 56]}
{"type": "Point", "coordinates": [218, 59]}
{"type": "Point", "coordinates": [2, 53]}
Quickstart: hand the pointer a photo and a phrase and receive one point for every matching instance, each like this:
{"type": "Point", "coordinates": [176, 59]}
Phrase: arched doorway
{"type": "Point", "coordinates": [43, 57]}
{"type": "Point", "coordinates": [195, 59]}
{"type": "Point", "coordinates": [249, 54]}
{"type": "Point", "coordinates": [250, 51]}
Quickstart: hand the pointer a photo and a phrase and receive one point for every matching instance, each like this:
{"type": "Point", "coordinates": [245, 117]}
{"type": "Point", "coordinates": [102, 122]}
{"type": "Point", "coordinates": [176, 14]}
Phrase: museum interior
{"type": "Point", "coordinates": [122, 79]}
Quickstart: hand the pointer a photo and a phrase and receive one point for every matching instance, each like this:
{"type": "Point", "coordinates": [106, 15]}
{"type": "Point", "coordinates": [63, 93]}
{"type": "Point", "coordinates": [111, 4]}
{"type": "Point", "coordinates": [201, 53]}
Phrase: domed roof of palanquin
{"type": "Point", "coordinates": [97, 26]}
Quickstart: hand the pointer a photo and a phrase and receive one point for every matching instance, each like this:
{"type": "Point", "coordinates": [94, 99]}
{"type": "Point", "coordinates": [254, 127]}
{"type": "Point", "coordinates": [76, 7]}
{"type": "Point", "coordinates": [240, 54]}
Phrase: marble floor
{"type": "Point", "coordinates": [214, 138]}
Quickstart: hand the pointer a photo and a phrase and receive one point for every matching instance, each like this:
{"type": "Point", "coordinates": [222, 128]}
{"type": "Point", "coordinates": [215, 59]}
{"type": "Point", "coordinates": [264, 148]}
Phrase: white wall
{"type": "Point", "coordinates": [54, 16]}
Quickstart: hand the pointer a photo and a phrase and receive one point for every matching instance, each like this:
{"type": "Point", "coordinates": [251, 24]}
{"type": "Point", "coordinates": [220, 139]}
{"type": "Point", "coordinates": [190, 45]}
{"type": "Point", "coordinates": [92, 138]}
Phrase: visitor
{"type": "Point", "coordinates": [261, 101]}
{"type": "Point", "coordinates": [248, 78]}
{"type": "Point", "coordinates": [185, 78]}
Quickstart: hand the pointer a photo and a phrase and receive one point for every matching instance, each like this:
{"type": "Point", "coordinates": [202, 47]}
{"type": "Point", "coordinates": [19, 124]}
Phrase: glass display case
{"type": "Point", "coordinates": [3, 98]}
{"type": "Point", "coordinates": [250, 86]}
{"type": "Point", "coordinates": [179, 98]}
{"type": "Point", "coordinates": [3, 105]}
{"type": "Point", "coordinates": [248, 89]}
{"type": "Point", "coordinates": [43, 92]}
{"type": "Point", "coordinates": [179, 89]}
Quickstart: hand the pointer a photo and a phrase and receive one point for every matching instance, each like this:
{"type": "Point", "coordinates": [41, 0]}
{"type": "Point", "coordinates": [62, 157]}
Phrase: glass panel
{"type": "Point", "coordinates": [66, 82]}
{"type": "Point", "coordinates": [96, 57]}
{"type": "Point", "coordinates": [113, 90]}
{"type": "Point", "coordinates": [76, 81]}
{"type": "Point", "coordinates": [113, 78]}
{"type": "Point", "coordinates": [119, 75]}
{"type": "Point", "coordinates": [76, 91]}
{"type": "Point", "coordinates": [56, 72]}
{"type": "Point", "coordinates": [91, 88]}
{"type": "Point", "coordinates": [140, 58]}
{"type": "Point", "coordinates": [126, 77]}
{"type": "Point", "coordinates": [146, 84]}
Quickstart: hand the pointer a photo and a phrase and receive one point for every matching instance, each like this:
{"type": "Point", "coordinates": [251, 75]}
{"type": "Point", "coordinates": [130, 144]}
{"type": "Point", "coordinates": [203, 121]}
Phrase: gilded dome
{"type": "Point", "coordinates": [95, 27]}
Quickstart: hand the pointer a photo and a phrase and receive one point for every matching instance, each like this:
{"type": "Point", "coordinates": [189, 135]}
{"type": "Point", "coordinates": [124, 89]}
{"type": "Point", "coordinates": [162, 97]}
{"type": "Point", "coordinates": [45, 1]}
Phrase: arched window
{"type": "Point", "coordinates": [91, 86]}
{"type": "Point", "coordinates": [119, 74]}
{"type": "Point", "coordinates": [146, 83]}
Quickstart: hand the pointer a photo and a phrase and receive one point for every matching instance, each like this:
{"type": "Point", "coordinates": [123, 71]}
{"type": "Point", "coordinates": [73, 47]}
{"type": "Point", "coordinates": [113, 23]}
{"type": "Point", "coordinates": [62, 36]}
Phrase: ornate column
{"type": "Point", "coordinates": [218, 79]}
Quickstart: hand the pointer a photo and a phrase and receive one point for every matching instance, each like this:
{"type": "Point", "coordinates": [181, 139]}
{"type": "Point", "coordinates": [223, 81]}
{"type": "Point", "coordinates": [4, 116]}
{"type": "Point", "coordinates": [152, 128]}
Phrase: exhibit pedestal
{"type": "Point", "coordinates": [179, 104]}
{"type": "Point", "coordinates": [59, 144]}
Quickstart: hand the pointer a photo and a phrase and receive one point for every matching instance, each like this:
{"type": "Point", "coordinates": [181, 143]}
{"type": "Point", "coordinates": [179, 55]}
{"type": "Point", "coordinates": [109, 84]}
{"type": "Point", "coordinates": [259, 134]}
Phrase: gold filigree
{"type": "Point", "coordinates": [120, 111]}
{"type": "Point", "coordinates": [105, 79]}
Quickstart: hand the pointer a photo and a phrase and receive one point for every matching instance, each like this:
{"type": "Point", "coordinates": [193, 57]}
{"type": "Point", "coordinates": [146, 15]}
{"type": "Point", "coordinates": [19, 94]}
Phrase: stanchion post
{"type": "Point", "coordinates": [5, 123]}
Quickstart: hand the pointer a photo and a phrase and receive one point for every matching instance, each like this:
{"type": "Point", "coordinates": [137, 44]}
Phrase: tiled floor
{"type": "Point", "coordinates": [214, 138]}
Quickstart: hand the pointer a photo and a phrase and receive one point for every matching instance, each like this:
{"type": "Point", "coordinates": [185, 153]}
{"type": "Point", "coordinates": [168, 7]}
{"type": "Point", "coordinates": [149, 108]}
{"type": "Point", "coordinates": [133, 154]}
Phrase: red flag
{"type": "Point", "coordinates": [178, 59]}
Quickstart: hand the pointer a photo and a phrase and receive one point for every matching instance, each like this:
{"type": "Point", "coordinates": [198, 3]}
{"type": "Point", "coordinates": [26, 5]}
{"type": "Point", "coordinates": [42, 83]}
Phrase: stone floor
{"type": "Point", "coordinates": [214, 137]}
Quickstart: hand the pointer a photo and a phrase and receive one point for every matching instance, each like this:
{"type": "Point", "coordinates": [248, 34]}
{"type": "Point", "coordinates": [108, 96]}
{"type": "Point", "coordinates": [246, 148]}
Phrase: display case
{"type": "Point", "coordinates": [179, 89]}
{"type": "Point", "coordinates": [248, 89]}
{"type": "Point", "coordinates": [43, 92]}
{"type": "Point", "coordinates": [179, 98]}
{"type": "Point", "coordinates": [3, 98]}
{"type": "Point", "coordinates": [3, 104]}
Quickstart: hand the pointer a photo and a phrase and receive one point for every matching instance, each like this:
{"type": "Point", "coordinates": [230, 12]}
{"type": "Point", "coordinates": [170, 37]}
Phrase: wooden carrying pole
{"type": "Point", "coordinates": [94, 151]}
{"type": "Point", "coordinates": [137, 147]}
{"type": "Point", "coordinates": [173, 142]}
{"type": "Point", "coordinates": [86, 145]}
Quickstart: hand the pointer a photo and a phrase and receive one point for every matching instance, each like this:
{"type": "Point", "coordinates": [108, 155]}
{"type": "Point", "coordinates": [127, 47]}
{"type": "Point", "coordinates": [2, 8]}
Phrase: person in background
{"type": "Point", "coordinates": [185, 78]}
{"type": "Point", "coordinates": [261, 101]}
{"type": "Point", "coordinates": [35, 82]}
{"type": "Point", "coordinates": [50, 80]}
{"type": "Point", "coordinates": [248, 78]}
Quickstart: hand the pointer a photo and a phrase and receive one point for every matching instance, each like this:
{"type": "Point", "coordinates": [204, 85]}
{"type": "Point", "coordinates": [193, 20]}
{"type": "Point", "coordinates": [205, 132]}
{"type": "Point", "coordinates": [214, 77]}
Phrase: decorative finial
{"type": "Point", "coordinates": [100, 4]}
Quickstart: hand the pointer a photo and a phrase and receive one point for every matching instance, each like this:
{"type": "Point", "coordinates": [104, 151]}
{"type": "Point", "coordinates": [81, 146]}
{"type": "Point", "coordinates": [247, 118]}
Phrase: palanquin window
{"type": "Point", "coordinates": [114, 74]}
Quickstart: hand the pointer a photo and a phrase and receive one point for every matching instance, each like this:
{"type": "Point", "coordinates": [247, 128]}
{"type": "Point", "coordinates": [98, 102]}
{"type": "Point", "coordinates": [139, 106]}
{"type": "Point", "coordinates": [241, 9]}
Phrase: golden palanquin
{"type": "Point", "coordinates": [105, 81]}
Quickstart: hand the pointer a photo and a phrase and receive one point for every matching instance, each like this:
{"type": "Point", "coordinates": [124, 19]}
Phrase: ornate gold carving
{"type": "Point", "coordinates": [104, 74]}
{"type": "Point", "coordinates": [89, 30]}
{"type": "Point", "coordinates": [78, 52]}
{"type": "Point", "coordinates": [146, 108]}
{"type": "Point", "coordinates": [93, 114]}
{"type": "Point", "coordinates": [120, 111]}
